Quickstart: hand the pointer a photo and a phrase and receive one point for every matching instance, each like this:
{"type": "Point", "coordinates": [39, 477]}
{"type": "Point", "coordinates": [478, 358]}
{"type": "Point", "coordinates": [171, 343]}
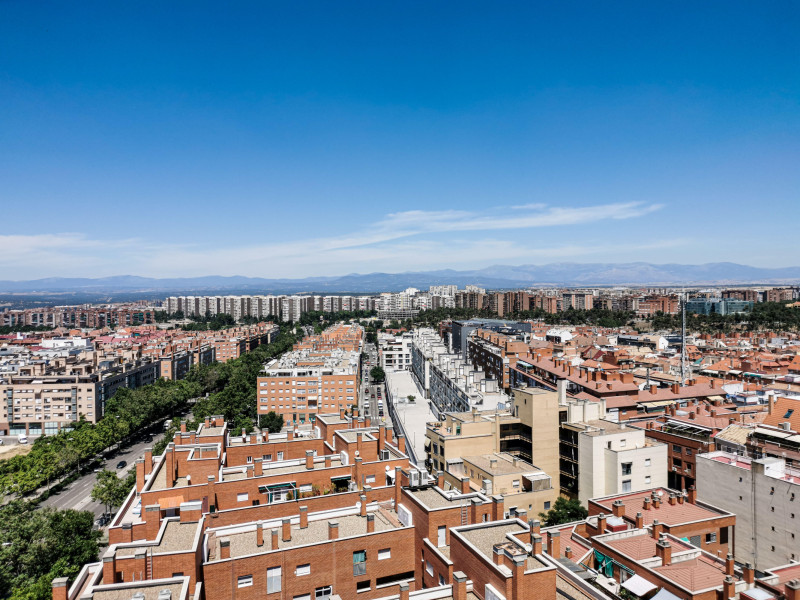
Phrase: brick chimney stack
{"type": "Point", "coordinates": [286, 530]}
{"type": "Point", "coordinates": [260, 535]}
{"type": "Point", "coordinates": [554, 543]}
{"type": "Point", "coordinates": [664, 552]}
{"type": "Point", "coordinates": [459, 586]}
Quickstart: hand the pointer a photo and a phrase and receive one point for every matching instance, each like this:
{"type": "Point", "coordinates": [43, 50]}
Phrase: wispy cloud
{"type": "Point", "coordinates": [384, 245]}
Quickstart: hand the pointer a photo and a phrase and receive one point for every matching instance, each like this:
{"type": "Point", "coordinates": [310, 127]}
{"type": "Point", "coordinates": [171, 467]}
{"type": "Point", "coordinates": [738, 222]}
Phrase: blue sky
{"type": "Point", "coordinates": [300, 139]}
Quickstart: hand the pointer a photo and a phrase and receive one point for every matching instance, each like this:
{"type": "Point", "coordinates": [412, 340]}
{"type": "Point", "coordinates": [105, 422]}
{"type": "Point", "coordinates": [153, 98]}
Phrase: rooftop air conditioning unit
{"type": "Point", "coordinates": [413, 478]}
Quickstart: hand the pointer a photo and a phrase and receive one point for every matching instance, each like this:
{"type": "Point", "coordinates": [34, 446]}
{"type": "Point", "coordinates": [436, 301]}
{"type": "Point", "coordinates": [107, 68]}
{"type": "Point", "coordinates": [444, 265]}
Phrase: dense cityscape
{"type": "Point", "coordinates": [512, 440]}
{"type": "Point", "coordinates": [399, 301]}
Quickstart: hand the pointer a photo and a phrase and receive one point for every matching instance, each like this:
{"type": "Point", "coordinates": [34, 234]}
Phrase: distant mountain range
{"type": "Point", "coordinates": [494, 277]}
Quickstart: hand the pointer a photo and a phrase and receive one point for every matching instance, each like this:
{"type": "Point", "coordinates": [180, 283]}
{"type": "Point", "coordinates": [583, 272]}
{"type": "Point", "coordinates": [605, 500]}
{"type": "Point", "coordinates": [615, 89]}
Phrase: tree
{"type": "Point", "coordinates": [110, 489]}
{"type": "Point", "coordinates": [564, 511]}
{"type": "Point", "coordinates": [377, 374]}
{"type": "Point", "coordinates": [37, 546]}
{"type": "Point", "coordinates": [272, 422]}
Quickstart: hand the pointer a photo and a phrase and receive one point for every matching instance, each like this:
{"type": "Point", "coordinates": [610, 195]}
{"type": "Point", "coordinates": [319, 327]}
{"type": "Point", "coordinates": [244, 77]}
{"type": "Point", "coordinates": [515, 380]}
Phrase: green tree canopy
{"type": "Point", "coordinates": [377, 374]}
{"type": "Point", "coordinates": [110, 489]}
{"type": "Point", "coordinates": [272, 422]}
{"type": "Point", "coordinates": [564, 511]}
{"type": "Point", "coordinates": [37, 546]}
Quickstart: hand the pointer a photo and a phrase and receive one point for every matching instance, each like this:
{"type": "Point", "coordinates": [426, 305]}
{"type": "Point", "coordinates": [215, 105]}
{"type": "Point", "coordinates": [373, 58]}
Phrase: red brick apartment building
{"type": "Point", "coordinates": [341, 514]}
{"type": "Point", "coordinates": [321, 375]}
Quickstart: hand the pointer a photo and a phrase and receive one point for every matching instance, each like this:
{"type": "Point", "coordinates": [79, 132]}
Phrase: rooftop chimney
{"type": "Point", "coordinates": [224, 548]}
{"type": "Point", "coordinates": [729, 588]}
{"type": "Point", "coordinates": [554, 543]}
{"type": "Point", "coordinates": [370, 523]}
{"type": "Point", "coordinates": [459, 586]}
{"type": "Point", "coordinates": [286, 533]}
{"type": "Point", "coordinates": [657, 528]}
{"type": "Point", "coordinates": [333, 530]}
{"type": "Point", "coordinates": [664, 552]}
{"type": "Point", "coordinates": [260, 535]}
{"type": "Point", "coordinates": [303, 517]}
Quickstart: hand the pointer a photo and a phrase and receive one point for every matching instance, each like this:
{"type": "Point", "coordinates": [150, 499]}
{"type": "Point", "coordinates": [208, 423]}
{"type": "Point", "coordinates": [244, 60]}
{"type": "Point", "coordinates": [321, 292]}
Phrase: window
{"type": "Point", "coordinates": [302, 597]}
{"type": "Point", "coordinates": [627, 468]}
{"type": "Point", "coordinates": [429, 568]}
{"type": "Point", "coordinates": [302, 570]}
{"type": "Point", "coordinates": [626, 485]}
{"type": "Point", "coordinates": [323, 592]}
{"type": "Point", "coordinates": [441, 580]}
{"type": "Point", "coordinates": [359, 563]}
{"type": "Point", "coordinates": [546, 505]}
{"type": "Point", "coordinates": [441, 536]}
{"type": "Point", "coordinates": [711, 538]}
{"type": "Point", "coordinates": [647, 479]}
{"type": "Point", "coordinates": [273, 580]}
{"type": "Point", "coordinates": [688, 452]}
{"type": "Point", "coordinates": [646, 462]}
{"type": "Point", "coordinates": [249, 459]}
{"type": "Point", "coordinates": [241, 497]}
{"type": "Point", "coordinates": [244, 581]}
{"type": "Point", "coordinates": [280, 455]}
{"type": "Point", "coordinates": [676, 449]}
{"type": "Point", "coordinates": [623, 443]}
{"type": "Point", "coordinates": [362, 586]}
{"type": "Point", "coordinates": [384, 554]}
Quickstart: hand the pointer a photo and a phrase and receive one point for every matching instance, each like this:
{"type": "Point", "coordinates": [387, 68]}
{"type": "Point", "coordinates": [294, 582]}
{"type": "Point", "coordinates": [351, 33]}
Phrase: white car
{"type": "Point", "coordinates": [23, 439]}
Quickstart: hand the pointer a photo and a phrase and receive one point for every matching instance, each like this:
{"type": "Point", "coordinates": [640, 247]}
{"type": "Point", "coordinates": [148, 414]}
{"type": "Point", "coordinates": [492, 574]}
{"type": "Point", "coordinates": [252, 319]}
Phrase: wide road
{"type": "Point", "coordinates": [77, 495]}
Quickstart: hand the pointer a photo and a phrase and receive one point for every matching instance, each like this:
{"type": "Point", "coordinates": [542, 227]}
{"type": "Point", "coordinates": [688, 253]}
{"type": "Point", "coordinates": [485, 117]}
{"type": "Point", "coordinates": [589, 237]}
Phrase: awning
{"type": "Point", "coordinates": [665, 595]}
{"type": "Point", "coordinates": [638, 586]}
{"type": "Point", "coordinates": [657, 403]}
{"type": "Point", "coordinates": [170, 502]}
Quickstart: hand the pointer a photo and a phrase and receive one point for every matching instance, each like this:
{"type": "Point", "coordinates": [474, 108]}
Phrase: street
{"type": "Point", "coordinates": [371, 393]}
{"type": "Point", "coordinates": [77, 495]}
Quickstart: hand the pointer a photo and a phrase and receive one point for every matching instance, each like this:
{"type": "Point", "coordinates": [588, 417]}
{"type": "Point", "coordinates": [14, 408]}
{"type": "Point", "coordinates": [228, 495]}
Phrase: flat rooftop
{"type": "Point", "coordinates": [501, 463]}
{"type": "Point", "coordinates": [487, 535]}
{"type": "Point", "coordinates": [178, 537]}
{"type": "Point", "coordinates": [432, 498]}
{"type": "Point", "coordinates": [150, 589]}
{"type": "Point", "coordinates": [244, 543]}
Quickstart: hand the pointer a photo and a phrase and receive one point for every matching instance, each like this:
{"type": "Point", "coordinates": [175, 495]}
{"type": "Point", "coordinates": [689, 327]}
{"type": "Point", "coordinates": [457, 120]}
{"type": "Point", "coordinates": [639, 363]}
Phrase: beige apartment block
{"type": "Point", "coordinates": [615, 458]}
{"type": "Point", "coordinates": [522, 485]}
{"type": "Point", "coordinates": [538, 412]}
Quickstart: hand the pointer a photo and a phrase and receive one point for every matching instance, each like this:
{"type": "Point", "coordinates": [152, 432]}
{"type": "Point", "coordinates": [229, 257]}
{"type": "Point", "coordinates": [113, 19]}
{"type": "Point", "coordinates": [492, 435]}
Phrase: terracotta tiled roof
{"type": "Point", "coordinates": [785, 409]}
{"type": "Point", "coordinates": [696, 574]}
{"type": "Point", "coordinates": [669, 514]}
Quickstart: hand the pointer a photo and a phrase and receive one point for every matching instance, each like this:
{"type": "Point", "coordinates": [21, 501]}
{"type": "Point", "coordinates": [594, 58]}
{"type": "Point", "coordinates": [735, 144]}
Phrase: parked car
{"type": "Point", "coordinates": [122, 464]}
{"type": "Point", "coordinates": [103, 520]}
{"type": "Point", "coordinates": [23, 439]}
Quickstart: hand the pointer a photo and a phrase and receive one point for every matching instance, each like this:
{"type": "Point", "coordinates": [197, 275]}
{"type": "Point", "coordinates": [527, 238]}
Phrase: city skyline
{"type": "Point", "coordinates": [273, 141]}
